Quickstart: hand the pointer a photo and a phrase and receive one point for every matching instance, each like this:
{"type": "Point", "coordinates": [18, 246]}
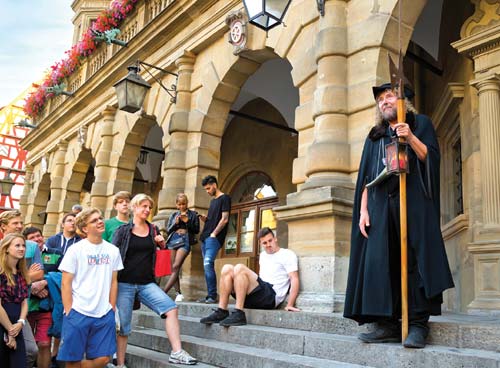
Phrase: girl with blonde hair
{"type": "Point", "coordinates": [14, 281]}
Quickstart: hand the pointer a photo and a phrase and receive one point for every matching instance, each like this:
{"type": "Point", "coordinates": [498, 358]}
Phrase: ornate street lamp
{"type": "Point", "coordinates": [132, 89]}
{"type": "Point", "coordinates": [266, 14]}
{"type": "Point", "coordinates": [6, 184]}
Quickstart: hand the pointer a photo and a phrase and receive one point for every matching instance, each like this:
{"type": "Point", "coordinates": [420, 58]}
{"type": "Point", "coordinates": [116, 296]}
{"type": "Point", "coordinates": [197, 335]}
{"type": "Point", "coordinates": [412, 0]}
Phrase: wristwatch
{"type": "Point", "coordinates": [22, 321]}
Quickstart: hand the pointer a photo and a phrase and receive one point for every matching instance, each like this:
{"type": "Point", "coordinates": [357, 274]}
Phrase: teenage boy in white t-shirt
{"type": "Point", "coordinates": [89, 289]}
{"type": "Point", "coordinates": [278, 274]}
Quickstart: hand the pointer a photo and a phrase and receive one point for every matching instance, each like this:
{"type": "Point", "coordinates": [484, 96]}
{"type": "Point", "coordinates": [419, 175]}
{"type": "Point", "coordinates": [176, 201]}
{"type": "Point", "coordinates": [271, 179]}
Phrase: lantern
{"type": "Point", "coordinates": [266, 14]}
{"type": "Point", "coordinates": [131, 90]}
{"type": "Point", "coordinates": [6, 184]}
{"type": "Point", "coordinates": [396, 154]}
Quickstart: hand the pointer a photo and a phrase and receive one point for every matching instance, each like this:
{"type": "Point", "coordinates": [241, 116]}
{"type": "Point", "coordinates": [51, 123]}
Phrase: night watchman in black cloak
{"type": "Point", "coordinates": [374, 284]}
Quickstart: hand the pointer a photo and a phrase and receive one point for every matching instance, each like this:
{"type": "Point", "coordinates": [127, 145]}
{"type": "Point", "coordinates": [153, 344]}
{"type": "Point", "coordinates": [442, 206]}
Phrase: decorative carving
{"type": "Point", "coordinates": [237, 23]}
{"type": "Point", "coordinates": [486, 15]}
{"type": "Point", "coordinates": [82, 135]}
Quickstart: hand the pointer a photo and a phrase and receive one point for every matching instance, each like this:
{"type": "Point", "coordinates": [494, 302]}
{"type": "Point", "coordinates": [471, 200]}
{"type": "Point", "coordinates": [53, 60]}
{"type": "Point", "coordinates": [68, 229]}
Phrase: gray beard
{"type": "Point", "coordinates": [390, 115]}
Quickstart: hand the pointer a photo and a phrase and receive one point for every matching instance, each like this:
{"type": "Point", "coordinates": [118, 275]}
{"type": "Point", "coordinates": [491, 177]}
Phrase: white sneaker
{"type": "Point", "coordinates": [182, 357]}
{"type": "Point", "coordinates": [179, 298]}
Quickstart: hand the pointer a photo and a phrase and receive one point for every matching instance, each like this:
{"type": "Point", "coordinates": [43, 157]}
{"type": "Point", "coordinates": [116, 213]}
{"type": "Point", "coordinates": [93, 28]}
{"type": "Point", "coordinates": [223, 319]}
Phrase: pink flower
{"type": "Point", "coordinates": [108, 19]}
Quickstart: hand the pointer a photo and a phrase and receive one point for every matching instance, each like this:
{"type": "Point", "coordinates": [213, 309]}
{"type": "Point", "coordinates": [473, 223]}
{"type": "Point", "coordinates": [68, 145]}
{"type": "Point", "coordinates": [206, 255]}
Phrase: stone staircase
{"type": "Point", "coordinates": [299, 340]}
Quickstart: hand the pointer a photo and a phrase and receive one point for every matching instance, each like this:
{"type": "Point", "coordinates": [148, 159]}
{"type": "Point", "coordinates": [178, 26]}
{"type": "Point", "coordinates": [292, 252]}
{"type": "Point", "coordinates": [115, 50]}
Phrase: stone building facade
{"type": "Point", "coordinates": [312, 80]}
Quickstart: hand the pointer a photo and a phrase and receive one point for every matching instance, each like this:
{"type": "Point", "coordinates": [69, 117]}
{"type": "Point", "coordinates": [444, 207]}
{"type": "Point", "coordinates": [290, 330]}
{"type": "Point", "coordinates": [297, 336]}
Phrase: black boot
{"type": "Point", "coordinates": [416, 338]}
{"type": "Point", "coordinates": [237, 318]}
{"type": "Point", "coordinates": [384, 332]}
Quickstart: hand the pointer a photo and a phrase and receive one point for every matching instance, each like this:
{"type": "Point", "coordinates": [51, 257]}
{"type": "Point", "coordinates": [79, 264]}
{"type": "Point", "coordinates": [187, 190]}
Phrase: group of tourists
{"type": "Point", "coordinates": [76, 292]}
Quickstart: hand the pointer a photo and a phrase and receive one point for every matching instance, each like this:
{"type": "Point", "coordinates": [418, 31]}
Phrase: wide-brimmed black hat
{"type": "Point", "coordinates": [409, 94]}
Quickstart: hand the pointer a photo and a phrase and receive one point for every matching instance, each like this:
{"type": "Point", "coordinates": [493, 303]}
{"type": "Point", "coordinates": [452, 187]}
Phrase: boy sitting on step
{"type": "Point", "coordinates": [278, 275]}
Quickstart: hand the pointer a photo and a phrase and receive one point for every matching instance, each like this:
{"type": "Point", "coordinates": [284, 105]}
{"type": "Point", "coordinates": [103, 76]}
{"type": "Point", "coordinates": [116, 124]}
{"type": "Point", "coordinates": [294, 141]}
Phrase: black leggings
{"type": "Point", "coordinates": [12, 358]}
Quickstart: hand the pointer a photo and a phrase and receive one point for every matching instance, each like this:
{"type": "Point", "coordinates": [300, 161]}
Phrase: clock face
{"type": "Point", "coordinates": [236, 32]}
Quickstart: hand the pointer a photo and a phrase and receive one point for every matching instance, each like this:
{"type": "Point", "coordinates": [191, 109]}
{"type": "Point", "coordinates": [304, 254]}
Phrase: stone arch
{"type": "Point", "coordinates": [217, 81]}
{"type": "Point", "coordinates": [410, 12]}
{"type": "Point", "coordinates": [79, 172]}
{"type": "Point", "coordinates": [37, 199]}
{"type": "Point", "coordinates": [129, 145]}
{"type": "Point", "coordinates": [258, 152]}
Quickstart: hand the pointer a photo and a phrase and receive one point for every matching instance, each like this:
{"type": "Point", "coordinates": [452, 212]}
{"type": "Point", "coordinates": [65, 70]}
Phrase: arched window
{"type": "Point", "coordinates": [254, 186]}
{"type": "Point", "coordinates": [253, 197]}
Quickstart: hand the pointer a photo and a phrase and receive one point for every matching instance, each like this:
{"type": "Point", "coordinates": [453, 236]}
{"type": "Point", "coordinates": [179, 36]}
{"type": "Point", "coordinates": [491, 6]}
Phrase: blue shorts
{"type": "Point", "coordinates": [149, 294]}
{"type": "Point", "coordinates": [94, 337]}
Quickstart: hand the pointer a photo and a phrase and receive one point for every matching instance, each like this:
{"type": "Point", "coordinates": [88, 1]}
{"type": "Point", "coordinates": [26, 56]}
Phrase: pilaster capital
{"type": "Point", "coordinates": [109, 113]}
{"type": "Point", "coordinates": [488, 83]}
{"type": "Point", "coordinates": [185, 62]}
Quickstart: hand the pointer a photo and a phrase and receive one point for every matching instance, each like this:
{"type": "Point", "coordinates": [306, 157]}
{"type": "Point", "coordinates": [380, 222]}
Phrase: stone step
{"type": "Point", "coordinates": [453, 330]}
{"type": "Point", "coordinates": [231, 355]}
{"type": "Point", "coordinates": [330, 346]}
{"type": "Point", "coordinates": [140, 357]}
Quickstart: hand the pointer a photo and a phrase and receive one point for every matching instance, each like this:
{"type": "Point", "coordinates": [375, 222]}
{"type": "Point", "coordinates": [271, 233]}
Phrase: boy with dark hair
{"type": "Point", "coordinates": [278, 274]}
{"type": "Point", "coordinates": [213, 234]}
{"type": "Point", "coordinates": [40, 317]}
{"type": "Point", "coordinates": [67, 237]}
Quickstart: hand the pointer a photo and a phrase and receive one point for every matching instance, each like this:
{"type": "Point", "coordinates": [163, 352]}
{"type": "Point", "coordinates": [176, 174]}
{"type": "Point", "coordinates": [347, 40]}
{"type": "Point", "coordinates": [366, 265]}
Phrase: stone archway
{"type": "Point", "coordinates": [38, 198]}
{"type": "Point", "coordinates": [81, 175]}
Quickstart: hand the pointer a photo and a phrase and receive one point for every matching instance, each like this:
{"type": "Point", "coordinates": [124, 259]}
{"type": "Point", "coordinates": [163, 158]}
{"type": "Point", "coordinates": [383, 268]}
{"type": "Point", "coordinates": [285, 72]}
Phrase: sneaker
{"type": "Point", "coordinates": [217, 315]}
{"type": "Point", "coordinates": [208, 300]}
{"type": "Point", "coordinates": [179, 298]}
{"type": "Point", "coordinates": [237, 318]}
{"type": "Point", "coordinates": [211, 300]}
{"type": "Point", "coordinates": [182, 357]}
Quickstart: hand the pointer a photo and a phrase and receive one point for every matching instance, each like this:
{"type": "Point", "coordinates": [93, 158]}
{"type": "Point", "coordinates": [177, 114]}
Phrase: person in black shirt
{"type": "Point", "coordinates": [214, 233]}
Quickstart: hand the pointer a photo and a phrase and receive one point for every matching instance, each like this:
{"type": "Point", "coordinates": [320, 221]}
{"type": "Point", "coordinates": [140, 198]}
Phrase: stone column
{"type": "Point", "coordinates": [327, 161]}
{"type": "Point", "coordinates": [56, 188]}
{"type": "Point", "coordinates": [23, 200]}
{"type": "Point", "coordinates": [174, 165]}
{"type": "Point", "coordinates": [99, 192]}
{"type": "Point", "coordinates": [489, 135]}
{"type": "Point", "coordinates": [319, 215]}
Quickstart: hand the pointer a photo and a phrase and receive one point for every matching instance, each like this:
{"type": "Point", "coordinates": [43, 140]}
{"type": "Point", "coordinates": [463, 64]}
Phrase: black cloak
{"type": "Point", "coordinates": [368, 293]}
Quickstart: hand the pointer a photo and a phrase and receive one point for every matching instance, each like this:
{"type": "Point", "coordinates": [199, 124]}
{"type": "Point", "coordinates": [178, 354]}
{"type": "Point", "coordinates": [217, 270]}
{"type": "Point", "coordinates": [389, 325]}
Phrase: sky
{"type": "Point", "coordinates": [34, 34]}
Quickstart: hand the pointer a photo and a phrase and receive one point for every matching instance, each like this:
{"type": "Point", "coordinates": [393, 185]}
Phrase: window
{"type": "Point", "coordinates": [253, 198]}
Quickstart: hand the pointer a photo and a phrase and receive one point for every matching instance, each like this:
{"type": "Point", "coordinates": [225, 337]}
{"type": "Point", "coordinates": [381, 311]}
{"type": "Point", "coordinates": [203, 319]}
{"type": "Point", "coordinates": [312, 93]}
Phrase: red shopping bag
{"type": "Point", "coordinates": [163, 263]}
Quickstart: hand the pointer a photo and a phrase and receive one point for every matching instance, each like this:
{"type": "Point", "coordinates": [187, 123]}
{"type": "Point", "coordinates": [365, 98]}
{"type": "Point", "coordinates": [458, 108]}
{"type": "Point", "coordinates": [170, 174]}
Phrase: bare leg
{"type": "Point", "coordinates": [173, 329]}
{"type": "Point", "coordinates": [179, 257]}
{"type": "Point", "coordinates": [55, 348]}
{"type": "Point", "coordinates": [43, 359]}
{"type": "Point", "coordinates": [73, 364]}
{"type": "Point", "coordinates": [121, 349]}
{"type": "Point", "coordinates": [245, 280]}
{"type": "Point", "coordinates": [225, 285]}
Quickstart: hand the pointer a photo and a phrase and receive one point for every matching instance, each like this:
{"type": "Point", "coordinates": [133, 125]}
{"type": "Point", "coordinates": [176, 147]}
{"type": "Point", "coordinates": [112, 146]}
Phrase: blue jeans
{"type": "Point", "coordinates": [209, 249]}
{"type": "Point", "coordinates": [149, 294]}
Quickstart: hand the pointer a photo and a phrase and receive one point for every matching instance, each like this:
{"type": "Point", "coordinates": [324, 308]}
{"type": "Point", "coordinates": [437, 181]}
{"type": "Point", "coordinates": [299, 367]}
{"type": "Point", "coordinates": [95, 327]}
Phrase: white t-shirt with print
{"type": "Point", "coordinates": [92, 266]}
{"type": "Point", "coordinates": [274, 269]}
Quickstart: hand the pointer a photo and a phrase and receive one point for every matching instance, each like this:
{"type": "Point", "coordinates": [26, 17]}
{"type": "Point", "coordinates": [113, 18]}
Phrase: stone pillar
{"type": "Point", "coordinates": [174, 165]}
{"type": "Point", "coordinates": [319, 215]}
{"type": "Point", "coordinates": [489, 134]}
{"type": "Point", "coordinates": [56, 188]}
{"type": "Point", "coordinates": [327, 161]}
{"type": "Point", "coordinates": [23, 200]}
{"type": "Point", "coordinates": [99, 192]}
{"type": "Point", "coordinates": [480, 40]}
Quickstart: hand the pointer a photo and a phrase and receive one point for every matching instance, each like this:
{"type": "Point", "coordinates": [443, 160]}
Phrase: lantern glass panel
{"type": "Point", "coordinates": [276, 8]}
{"type": "Point", "coordinates": [254, 7]}
{"type": "Point", "coordinates": [130, 95]}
